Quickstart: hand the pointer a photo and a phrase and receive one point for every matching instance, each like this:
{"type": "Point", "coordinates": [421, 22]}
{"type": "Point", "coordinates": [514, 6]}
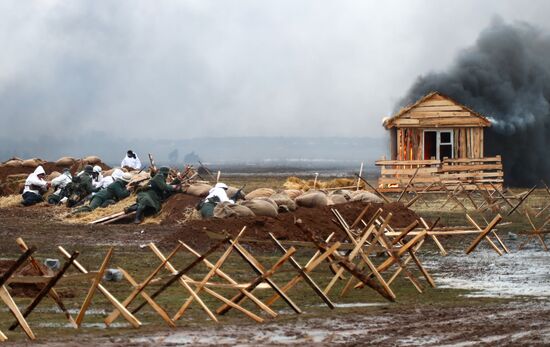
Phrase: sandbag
{"type": "Point", "coordinates": [65, 161]}
{"type": "Point", "coordinates": [260, 192]}
{"type": "Point", "coordinates": [92, 160]}
{"type": "Point", "coordinates": [108, 172]}
{"type": "Point", "coordinates": [293, 193]}
{"type": "Point", "coordinates": [282, 199]}
{"type": "Point", "coordinates": [199, 189]}
{"type": "Point", "coordinates": [261, 207]}
{"type": "Point", "coordinates": [31, 162]}
{"type": "Point", "coordinates": [312, 199]}
{"type": "Point", "coordinates": [53, 175]}
{"type": "Point", "coordinates": [338, 199]}
{"type": "Point", "coordinates": [271, 201]}
{"type": "Point", "coordinates": [13, 163]}
{"type": "Point", "coordinates": [226, 210]}
{"type": "Point", "coordinates": [365, 196]}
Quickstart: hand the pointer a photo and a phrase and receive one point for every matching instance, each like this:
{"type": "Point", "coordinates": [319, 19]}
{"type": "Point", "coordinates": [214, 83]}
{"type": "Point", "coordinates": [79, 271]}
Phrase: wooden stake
{"type": "Point", "coordinates": [8, 300]}
{"type": "Point", "coordinates": [182, 272]}
{"type": "Point", "coordinates": [304, 274]}
{"type": "Point", "coordinates": [182, 281]}
{"type": "Point", "coordinates": [127, 315]}
{"type": "Point", "coordinates": [52, 293]}
{"type": "Point", "coordinates": [264, 276]}
{"type": "Point", "coordinates": [360, 174]}
{"type": "Point", "coordinates": [225, 276]}
{"type": "Point", "coordinates": [482, 235]}
{"type": "Point", "coordinates": [46, 289]}
{"type": "Point", "coordinates": [111, 318]}
{"type": "Point", "coordinates": [161, 312]}
{"type": "Point", "coordinates": [209, 275]}
{"type": "Point", "coordinates": [93, 287]}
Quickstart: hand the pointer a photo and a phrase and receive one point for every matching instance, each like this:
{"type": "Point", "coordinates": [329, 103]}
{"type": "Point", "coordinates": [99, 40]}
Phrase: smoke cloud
{"type": "Point", "coordinates": [505, 76]}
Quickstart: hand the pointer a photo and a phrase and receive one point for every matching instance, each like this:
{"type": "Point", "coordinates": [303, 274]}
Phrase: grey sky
{"type": "Point", "coordinates": [178, 69]}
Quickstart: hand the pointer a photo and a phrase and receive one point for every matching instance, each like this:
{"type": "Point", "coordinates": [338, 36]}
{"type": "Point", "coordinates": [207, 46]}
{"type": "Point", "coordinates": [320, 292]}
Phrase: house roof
{"type": "Point", "coordinates": [430, 115]}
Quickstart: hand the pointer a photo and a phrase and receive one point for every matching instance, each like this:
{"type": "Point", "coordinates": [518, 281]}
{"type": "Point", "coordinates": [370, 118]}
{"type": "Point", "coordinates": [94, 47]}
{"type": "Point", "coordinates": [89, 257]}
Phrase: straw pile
{"type": "Point", "coordinates": [83, 218]}
{"type": "Point", "coordinates": [10, 200]}
{"type": "Point", "coordinates": [305, 185]}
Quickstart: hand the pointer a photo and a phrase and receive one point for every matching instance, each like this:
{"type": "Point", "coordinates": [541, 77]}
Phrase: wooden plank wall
{"type": "Point", "coordinates": [409, 144]}
{"type": "Point", "coordinates": [395, 174]}
{"type": "Point", "coordinates": [468, 143]}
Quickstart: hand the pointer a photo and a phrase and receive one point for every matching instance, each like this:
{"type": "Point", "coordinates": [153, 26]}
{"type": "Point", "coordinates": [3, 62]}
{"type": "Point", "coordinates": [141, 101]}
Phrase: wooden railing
{"type": "Point", "coordinates": [471, 173]}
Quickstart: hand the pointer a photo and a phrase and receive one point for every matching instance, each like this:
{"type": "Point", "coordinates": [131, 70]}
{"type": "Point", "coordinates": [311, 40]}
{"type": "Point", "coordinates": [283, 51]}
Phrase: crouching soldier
{"type": "Point", "coordinates": [149, 200]}
{"type": "Point", "coordinates": [35, 187]}
{"type": "Point", "coordinates": [61, 186]}
{"type": "Point", "coordinates": [82, 187]}
{"type": "Point", "coordinates": [115, 192]}
{"type": "Point", "coordinates": [216, 195]}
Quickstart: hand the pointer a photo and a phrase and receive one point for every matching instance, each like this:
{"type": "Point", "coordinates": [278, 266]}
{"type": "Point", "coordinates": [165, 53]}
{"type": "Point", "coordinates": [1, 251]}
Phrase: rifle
{"type": "Point", "coordinates": [238, 194]}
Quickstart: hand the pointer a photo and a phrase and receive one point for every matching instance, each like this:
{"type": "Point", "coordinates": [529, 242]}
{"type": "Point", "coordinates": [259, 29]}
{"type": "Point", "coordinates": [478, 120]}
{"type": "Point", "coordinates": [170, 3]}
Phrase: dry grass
{"type": "Point", "coordinates": [10, 201]}
{"type": "Point", "coordinates": [83, 218]}
{"type": "Point", "coordinates": [305, 185]}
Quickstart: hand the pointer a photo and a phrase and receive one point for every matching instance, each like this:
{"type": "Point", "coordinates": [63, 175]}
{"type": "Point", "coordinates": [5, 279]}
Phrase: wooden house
{"type": "Point", "coordinates": [444, 140]}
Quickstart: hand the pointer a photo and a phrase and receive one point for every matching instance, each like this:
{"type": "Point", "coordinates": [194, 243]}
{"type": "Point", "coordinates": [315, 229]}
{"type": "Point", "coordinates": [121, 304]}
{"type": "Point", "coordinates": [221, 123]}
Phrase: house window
{"type": "Point", "coordinates": [438, 144]}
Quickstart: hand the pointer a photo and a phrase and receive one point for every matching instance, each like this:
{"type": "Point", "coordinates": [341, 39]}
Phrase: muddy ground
{"type": "Point", "coordinates": [481, 299]}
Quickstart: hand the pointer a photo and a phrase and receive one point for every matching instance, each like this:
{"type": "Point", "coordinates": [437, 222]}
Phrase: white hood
{"type": "Point", "coordinates": [39, 170]}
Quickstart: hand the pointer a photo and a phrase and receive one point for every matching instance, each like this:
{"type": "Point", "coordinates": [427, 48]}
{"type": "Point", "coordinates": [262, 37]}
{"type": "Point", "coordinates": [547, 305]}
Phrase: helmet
{"type": "Point", "coordinates": [221, 185]}
{"type": "Point", "coordinates": [126, 177]}
{"type": "Point", "coordinates": [88, 169]}
{"type": "Point", "coordinates": [97, 169]}
{"type": "Point", "coordinates": [164, 170]}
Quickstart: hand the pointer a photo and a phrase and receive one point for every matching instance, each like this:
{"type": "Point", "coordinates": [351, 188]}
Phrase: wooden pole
{"type": "Point", "coordinates": [182, 272]}
{"type": "Point", "coordinates": [93, 287]}
{"type": "Point", "coordinates": [127, 315]}
{"type": "Point", "coordinates": [360, 174]}
{"type": "Point", "coordinates": [304, 274]}
{"type": "Point", "coordinates": [375, 190]}
{"type": "Point", "coordinates": [45, 290]}
{"type": "Point", "coordinates": [111, 318]}
{"type": "Point", "coordinates": [52, 293]}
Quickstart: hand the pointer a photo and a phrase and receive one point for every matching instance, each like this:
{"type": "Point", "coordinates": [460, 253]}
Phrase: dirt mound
{"type": "Point", "coordinates": [283, 226]}
{"type": "Point", "coordinates": [177, 208]}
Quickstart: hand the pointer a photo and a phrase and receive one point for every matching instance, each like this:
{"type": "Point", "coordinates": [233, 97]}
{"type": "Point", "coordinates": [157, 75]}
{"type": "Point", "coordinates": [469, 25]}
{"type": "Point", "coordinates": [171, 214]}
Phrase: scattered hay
{"type": "Point", "coordinates": [10, 201]}
{"type": "Point", "coordinates": [84, 218]}
{"type": "Point", "coordinates": [305, 185]}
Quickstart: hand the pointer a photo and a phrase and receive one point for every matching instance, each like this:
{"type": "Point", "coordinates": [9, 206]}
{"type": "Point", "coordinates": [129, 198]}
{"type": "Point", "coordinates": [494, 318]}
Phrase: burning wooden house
{"type": "Point", "coordinates": [441, 141]}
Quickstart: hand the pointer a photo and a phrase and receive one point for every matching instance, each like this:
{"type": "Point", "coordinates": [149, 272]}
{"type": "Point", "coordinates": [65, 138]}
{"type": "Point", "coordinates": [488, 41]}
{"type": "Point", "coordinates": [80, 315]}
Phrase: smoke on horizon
{"type": "Point", "coordinates": [505, 76]}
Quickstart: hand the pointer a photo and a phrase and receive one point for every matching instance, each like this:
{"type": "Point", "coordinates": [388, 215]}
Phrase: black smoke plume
{"type": "Point", "coordinates": [505, 76]}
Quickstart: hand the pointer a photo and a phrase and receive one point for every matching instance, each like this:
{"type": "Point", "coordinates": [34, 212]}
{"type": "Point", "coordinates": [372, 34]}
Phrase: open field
{"type": "Point", "coordinates": [480, 298]}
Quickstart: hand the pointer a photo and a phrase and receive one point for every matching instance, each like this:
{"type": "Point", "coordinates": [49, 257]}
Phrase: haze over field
{"type": "Point", "coordinates": [112, 73]}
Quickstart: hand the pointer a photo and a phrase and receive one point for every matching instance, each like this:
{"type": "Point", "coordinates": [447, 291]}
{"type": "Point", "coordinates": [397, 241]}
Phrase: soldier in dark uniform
{"type": "Point", "coordinates": [116, 191]}
{"type": "Point", "coordinates": [150, 199]}
{"type": "Point", "coordinates": [82, 186]}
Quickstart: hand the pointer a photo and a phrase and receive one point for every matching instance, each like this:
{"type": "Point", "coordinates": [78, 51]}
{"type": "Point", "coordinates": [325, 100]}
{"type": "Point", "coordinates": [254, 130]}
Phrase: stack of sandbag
{"type": "Point", "coordinates": [32, 163]}
{"type": "Point", "coordinates": [198, 189]}
{"type": "Point", "coordinates": [293, 193]}
{"type": "Point", "coordinates": [65, 162]}
{"type": "Point", "coordinates": [13, 162]}
{"type": "Point", "coordinates": [312, 199]}
{"type": "Point", "coordinates": [226, 210]}
{"type": "Point", "coordinates": [284, 202]}
{"type": "Point", "coordinates": [340, 196]}
{"type": "Point", "coordinates": [364, 196]}
{"type": "Point", "coordinates": [91, 160]}
{"type": "Point", "coordinates": [259, 193]}
{"type": "Point", "coordinates": [261, 207]}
